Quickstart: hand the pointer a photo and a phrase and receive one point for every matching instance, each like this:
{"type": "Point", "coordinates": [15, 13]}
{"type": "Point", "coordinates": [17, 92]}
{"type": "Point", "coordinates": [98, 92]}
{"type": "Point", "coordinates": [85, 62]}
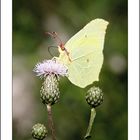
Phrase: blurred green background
{"type": "Point", "coordinates": [31, 18]}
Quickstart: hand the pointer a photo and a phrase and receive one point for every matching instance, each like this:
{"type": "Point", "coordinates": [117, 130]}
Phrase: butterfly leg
{"type": "Point", "coordinates": [67, 53]}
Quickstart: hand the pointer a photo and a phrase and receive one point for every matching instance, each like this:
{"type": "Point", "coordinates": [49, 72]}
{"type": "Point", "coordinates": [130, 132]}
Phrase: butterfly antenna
{"type": "Point", "coordinates": [55, 36]}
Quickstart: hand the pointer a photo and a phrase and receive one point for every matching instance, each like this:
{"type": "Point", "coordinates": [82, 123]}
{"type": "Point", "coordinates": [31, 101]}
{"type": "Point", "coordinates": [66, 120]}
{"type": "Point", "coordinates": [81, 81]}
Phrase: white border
{"type": "Point", "coordinates": [6, 69]}
{"type": "Point", "coordinates": [133, 71]}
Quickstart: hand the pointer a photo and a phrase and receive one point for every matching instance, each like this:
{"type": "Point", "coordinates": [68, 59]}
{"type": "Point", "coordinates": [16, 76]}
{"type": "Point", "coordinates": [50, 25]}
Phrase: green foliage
{"type": "Point", "coordinates": [30, 20]}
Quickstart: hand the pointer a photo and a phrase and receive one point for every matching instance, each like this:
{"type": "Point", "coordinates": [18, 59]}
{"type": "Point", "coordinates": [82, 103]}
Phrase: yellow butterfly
{"type": "Point", "coordinates": [83, 53]}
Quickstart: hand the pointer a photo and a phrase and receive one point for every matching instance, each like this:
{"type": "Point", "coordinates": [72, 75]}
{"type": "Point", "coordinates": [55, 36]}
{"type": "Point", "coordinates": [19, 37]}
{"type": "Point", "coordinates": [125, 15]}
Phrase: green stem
{"type": "Point", "coordinates": [50, 121]}
{"type": "Point", "coordinates": [92, 116]}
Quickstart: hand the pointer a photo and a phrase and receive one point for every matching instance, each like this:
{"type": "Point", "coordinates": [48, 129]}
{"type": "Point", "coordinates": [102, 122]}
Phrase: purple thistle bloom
{"type": "Point", "coordinates": [50, 67]}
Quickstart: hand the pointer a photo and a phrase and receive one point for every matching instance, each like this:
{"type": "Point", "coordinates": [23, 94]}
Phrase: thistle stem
{"type": "Point", "coordinates": [92, 117]}
{"type": "Point", "coordinates": [50, 121]}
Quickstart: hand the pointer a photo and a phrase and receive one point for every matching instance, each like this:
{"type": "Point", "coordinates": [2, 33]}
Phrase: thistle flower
{"type": "Point", "coordinates": [50, 70]}
{"type": "Point", "coordinates": [48, 67]}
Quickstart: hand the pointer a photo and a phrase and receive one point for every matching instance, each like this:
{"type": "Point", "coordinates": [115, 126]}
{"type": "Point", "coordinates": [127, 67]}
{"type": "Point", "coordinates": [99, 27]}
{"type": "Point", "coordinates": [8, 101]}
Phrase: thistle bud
{"type": "Point", "coordinates": [50, 91]}
{"type": "Point", "coordinates": [39, 131]}
{"type": "Point", "coordinates": [94, 96]}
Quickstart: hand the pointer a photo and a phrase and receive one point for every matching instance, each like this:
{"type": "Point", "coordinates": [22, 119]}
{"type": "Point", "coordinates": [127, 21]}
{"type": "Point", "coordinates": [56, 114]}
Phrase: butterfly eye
{"type": "Point", "coordinates": [55, 34]}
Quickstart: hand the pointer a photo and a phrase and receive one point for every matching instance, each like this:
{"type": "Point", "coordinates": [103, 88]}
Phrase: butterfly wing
{"type": "Point", "coordinates": [86, 53]}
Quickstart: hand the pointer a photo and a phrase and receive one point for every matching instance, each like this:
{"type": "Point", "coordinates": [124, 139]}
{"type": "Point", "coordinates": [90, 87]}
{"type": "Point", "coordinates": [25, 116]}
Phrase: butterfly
{"type": "Point", "coordinates": [83, 53]}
